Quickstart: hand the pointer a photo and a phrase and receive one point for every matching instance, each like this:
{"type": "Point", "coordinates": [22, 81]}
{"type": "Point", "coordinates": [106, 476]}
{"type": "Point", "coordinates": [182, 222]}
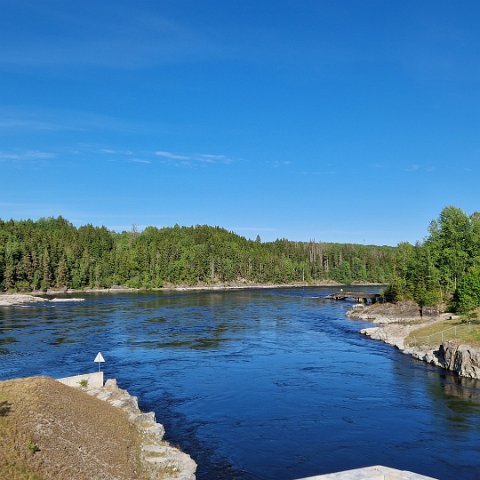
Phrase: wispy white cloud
{"type": "Point", "coordinates": [412, 168]}
{"type": "Point", "coordinates": [415, 167]}
{"type": "Point", "coordinates": [211, 158]}
{"type": "Point", "coordinates": [280, 163]}
{"type": "Point", "coordinates": [116, 38]}
{"type": "Point", "coordinates": [52, 120]}
{"type": "Point", "coordinates": [139, 160]}
{"type": "Point", "coordinates": [91, 152]}
{"type": "Point", "coordinates": [18, 123]}
{"type": "Point", "coordinates": [171, 155]}
{"type": "Point", "coordinates": [26, 155]}
{"type": "Point", "coordinates": [189, 160]}
{"type": "Point", "coordinates": [316, 173]}
{"type": "Point", "coordinates": [111, 151]}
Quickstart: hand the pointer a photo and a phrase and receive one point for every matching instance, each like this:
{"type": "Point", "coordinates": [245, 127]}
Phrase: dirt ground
{"type": "Point", "coordinates": [51, 431]}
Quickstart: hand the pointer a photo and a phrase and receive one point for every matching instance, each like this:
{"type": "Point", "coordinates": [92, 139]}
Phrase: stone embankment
{"type": "Point", "coordinates": [397, 322]}
{"type": "Point", "coordinates": [158, 457]}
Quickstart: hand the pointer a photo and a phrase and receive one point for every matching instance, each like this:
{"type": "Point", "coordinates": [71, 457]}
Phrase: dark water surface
{"type": "Point", "coordinates": [258, 384]}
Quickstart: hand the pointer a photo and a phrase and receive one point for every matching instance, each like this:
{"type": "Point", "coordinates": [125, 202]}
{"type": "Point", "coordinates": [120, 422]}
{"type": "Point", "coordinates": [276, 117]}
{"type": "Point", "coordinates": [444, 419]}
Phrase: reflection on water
{"type": "Point", "coordinates": [463, 388]}
{"type": "Point", "coordinates": [259, 384]}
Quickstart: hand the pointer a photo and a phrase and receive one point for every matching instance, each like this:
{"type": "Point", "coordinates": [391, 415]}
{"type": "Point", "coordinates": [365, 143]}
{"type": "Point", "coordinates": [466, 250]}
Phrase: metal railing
{"type": "Point", "coordinates": [446, 334]}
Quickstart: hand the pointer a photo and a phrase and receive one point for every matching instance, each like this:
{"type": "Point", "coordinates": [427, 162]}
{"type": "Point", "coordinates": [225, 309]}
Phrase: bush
{"type": "Point", "coordinates": [32, 446]}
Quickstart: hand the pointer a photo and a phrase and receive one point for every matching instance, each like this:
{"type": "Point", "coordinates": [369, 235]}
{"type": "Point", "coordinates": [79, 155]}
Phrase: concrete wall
{"type": "Point", "coordinates": [95, 380]}
{"type": "Point", "coordinates": [371, 473]}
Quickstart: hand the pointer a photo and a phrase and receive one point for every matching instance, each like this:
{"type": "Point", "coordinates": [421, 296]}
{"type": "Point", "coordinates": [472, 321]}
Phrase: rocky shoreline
{"type": "Point", "coordinates": [17, 299]}
{"type": "Point", "coordinates": [397, 322]}
{"type": "Point", "coordinates": [159, 459]}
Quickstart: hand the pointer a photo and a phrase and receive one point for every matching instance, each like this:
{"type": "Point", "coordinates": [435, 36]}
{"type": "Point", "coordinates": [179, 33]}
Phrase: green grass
{"type": "Point", "coordinates": [460, 330]}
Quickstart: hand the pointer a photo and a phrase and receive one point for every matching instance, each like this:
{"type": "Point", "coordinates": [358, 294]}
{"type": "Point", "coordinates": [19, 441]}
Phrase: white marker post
{"type": "Point", "coordinates": [99, 359]}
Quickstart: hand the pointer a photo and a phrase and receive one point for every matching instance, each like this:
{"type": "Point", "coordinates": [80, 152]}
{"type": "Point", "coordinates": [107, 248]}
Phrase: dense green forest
{"type": "Point", "coordinates": [52, 253]}
{"type": "Point", "coordinates": [444, 269]}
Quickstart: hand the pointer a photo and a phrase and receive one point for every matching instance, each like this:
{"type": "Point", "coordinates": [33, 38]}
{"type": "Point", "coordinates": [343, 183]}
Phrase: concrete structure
{"type": "Point", "coordinates": [93, 380]}
{"type": "Point", "coordinates": [371, 473]}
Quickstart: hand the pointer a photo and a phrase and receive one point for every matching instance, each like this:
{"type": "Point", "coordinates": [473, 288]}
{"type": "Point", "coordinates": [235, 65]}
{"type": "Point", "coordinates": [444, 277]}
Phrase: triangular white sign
{"type": "Point", "coordinates": [99, 358]}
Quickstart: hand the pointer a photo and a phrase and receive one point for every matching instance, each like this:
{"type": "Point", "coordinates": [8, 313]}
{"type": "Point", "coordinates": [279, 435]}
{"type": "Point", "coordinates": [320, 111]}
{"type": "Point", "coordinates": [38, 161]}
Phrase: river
{"type": "Point", "coordinates": [267, 384]}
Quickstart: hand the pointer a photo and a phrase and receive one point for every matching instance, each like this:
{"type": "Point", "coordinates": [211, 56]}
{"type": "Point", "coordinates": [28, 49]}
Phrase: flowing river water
{"type": "Point", "coordinates": [270, 384]}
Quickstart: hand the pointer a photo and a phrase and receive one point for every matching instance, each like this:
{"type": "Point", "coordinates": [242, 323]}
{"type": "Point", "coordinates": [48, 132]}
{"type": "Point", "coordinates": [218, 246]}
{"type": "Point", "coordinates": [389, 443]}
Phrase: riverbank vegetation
{"type": "Point", "coordinates": [52, 253]}
{"type": "Point", "coordinates": [454, 329]}
{"type": "Point", "coordinates": [443, 271]}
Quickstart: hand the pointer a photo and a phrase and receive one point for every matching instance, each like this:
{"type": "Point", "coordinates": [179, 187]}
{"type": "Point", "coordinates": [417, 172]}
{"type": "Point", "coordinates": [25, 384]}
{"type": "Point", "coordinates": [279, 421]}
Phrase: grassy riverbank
{"type": "Point", "coordinates": [453, 329]}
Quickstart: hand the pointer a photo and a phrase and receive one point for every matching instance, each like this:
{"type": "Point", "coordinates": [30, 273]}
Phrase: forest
{"type": "Point", "coordinates": [444, 269]}
{"type": "Point", "coordinates": [53, 253]}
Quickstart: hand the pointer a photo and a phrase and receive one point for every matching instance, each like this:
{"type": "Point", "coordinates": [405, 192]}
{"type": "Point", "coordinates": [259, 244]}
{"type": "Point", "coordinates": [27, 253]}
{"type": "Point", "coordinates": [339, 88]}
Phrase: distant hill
{"type": "Point", "coordinates": [51, 252]}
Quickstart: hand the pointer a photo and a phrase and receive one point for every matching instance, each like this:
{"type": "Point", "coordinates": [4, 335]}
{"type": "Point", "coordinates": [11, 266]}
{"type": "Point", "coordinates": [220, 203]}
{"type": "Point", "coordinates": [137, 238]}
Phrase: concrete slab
{"type": "Point", "coordinates": [376, 472]}
{"type": "Point", "coordinates": [93, 380]}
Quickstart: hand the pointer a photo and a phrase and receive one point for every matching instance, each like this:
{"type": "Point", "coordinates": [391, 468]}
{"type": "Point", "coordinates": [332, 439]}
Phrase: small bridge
{"type": "Point", "coordinates": [359, 297]}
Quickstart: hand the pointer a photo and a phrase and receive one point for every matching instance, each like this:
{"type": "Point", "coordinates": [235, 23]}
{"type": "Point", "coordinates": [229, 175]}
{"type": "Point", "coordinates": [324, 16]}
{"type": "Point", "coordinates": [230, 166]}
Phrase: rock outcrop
{"type": "Point", "coordinates": [396, 326]}
{"type": "Point", "coordinates": [458, 358]}
{"type": "Point", "coordinates": [13, 300]}
{"type": "Point", "coordinates": [385, 312]}
{"type": "Point", "coordinates": [18, 299]}
{"type": "Point", "coordinates": [461, 359]}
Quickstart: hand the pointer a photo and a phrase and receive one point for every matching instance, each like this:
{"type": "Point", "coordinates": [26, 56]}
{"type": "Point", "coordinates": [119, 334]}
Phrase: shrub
{"type": "Point", "coordinates": [32, 446]}
{"type": "Point", "coordinates": [83, 383]}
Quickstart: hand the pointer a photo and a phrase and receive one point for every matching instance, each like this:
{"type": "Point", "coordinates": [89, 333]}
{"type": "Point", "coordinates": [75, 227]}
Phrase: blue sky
{"type": "Point", "coordinates": [348, 121]}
